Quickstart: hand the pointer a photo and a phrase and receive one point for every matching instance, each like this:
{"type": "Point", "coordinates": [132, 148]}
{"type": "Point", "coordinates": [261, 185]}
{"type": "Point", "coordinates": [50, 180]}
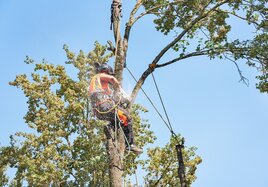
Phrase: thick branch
{"type": "Point", "coordinates": [134, 11]}
{"type": "Point", "coordinates": [131, 20]}
{"type": "Point", "coordinates": [139, 83]}
{"type": "Point", "coordinates": [198, 53]}
{"type": "Point", "coordinates": [189, 27]}
{"type": "Point", "coordinates": [170, 45]}
{"type": "Point", "coordinates": [129, 25]}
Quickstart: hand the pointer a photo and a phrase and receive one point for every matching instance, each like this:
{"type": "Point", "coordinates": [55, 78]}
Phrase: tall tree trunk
{"type": "Point", "coordinates": [119, 51]}
{"type": "Point", "coordinates": [115, 138]}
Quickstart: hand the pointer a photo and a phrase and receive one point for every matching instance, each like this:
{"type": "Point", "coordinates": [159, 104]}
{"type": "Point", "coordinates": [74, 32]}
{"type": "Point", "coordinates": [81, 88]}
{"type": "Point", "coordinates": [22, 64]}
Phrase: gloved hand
{"type": "Point", "coordinates": [125, 102]}
{"type": "Point", "coordinates": [125, 105]}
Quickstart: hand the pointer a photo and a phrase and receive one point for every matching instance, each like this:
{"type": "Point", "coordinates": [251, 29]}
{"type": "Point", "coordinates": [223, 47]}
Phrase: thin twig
{"type": "Point", "coordinates": [238, 16]}
{"type": "Point", "coordinates": [149, 11]}
{"type": "Point", "coordinates": [242, 78]}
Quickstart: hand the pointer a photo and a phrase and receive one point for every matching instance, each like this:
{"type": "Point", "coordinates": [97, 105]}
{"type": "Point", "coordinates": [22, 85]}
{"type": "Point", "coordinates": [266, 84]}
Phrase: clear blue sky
{"type": "Point", "coordinates": [225, 119]}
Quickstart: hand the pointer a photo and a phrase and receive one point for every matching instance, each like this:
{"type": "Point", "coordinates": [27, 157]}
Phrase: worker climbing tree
{"type": "Point", "coordinates": [88, 132]}
{"type": "Point", "coordinates": [109, 103]}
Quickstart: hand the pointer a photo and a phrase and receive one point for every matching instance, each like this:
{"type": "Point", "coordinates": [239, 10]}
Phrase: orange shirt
{"type": "Point", "coordinates": [101, 83]}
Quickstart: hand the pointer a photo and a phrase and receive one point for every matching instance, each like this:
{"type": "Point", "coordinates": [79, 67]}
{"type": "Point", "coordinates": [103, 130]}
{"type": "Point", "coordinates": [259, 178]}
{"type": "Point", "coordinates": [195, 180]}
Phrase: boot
{"type": "Point", "coordinates": [134, 149]}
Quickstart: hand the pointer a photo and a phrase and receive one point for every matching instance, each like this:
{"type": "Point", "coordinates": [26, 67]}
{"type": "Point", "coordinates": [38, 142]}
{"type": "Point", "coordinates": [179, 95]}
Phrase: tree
{"type": "Point", "coordinates": [201, 27]}
{"type": "Point", "coordinates": [67, 146]}
{"type": "Point", "coordinates": [162, 165]}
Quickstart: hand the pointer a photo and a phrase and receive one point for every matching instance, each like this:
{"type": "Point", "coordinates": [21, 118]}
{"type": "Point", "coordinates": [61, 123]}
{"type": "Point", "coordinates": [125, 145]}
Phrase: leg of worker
{"type": "Point", "coordinates": [130, 138]}
{"type": "Point", "coordinates": [129, 134]}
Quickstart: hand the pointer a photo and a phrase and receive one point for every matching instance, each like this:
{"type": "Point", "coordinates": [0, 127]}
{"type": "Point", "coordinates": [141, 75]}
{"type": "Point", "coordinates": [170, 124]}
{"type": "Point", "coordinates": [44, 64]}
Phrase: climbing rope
{"type": "Point", "coordinates": [164, 108]}
{"type": "Point", "coordinates": [151, 102]}
{"type": "Point", "coordinates": [180, 144]}
{"type": "Point", "coordinates": [116, 116]}
{"type": "Point", "coordinates": [116, 13]}
{"type": "Point", "coordinates": [115, 140]}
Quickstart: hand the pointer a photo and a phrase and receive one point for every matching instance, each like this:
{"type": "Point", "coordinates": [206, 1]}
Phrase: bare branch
{"type": "Point", "coordinates": [129, 25]}
{"type": "Point", "coordinates": [240, 17]}
{"type": "Point", "coordinates": [242, 78]}
{"type": "Point", "coordinates": [134, 11]}
{"type": "Point", "coordinates": [200, 53]}
{"type": "Point", "coordinates": [131, 19]}
{"type": "Point", "coordinates": [111, 47]}
{"type": "Point", "coordinates": [193, 54]}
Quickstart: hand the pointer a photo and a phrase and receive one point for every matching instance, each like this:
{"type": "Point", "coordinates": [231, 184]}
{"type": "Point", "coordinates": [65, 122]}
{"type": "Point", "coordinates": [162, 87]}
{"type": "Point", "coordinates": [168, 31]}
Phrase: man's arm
{"type": "Point", "coordinates": [111, 79]}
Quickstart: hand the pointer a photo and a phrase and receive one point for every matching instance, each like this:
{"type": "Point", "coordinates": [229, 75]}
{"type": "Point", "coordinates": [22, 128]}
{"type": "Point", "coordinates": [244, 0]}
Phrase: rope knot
{"type": "Point", "coordinates": [152, 66]}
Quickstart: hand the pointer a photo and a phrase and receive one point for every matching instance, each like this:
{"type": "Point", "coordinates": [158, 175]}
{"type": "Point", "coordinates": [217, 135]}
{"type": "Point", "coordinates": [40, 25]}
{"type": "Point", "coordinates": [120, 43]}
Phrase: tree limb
{"type": "Point", "coordinates": [130, 23]}
{"type": "Point", "coordinates": [193, 54]}
{"type": "Point", "coordinates": [201, 53]}
{"type": "Point", "coordinates": [189, 27]}
{"type": "Point", "coordinates": [134, 11]}
{"type": "Point", "coordinates": [132, 20]}
{"type": "Point", "coordinates": [147, 72]}
{"type": "Point", "coordinates": [240, 17]}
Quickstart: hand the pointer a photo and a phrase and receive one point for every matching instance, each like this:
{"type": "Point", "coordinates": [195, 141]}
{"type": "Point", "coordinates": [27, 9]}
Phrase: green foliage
{"type": "Point", "coordinates": [162, 165]}
{"type": "Point", "coordinates": [67, 144]}
{"type": "Point", "coordinates": [206, 26]}
{"type": "Point", "coordinates": [3, 163]}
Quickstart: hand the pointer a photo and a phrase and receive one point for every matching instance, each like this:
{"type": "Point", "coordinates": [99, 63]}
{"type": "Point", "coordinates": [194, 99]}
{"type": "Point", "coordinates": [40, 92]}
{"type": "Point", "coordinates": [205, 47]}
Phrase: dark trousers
{"type": "Point", "coordinates": [114, 121]}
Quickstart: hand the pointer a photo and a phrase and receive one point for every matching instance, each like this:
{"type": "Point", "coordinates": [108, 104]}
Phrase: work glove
{"type": "Point", "coordinates": [125, 105]}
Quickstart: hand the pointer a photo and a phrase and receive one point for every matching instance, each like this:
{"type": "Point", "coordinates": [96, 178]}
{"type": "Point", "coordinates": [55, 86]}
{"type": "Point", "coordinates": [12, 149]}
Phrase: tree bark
{"type": "Point", "coordinates": [181, 169]}
{"type": "Point", "coordinates": [115, 138]}
{"type": "Point", "coordinates": [115, 149]}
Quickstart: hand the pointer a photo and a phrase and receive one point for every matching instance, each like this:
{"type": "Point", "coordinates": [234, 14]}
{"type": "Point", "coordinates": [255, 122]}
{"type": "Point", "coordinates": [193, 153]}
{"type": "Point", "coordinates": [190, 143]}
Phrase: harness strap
{"type": "Point", "coordinates": [111, 109]}
{"type": "Point", "coordinates": [101, 102]}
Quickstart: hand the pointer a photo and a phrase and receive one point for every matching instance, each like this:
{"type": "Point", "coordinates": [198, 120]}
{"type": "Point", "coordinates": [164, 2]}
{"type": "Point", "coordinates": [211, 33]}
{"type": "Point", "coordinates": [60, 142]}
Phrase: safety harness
{"type": "Point", "coordinates": [180, 143]}
{"type": "Point", "coordinates": [99, 96]}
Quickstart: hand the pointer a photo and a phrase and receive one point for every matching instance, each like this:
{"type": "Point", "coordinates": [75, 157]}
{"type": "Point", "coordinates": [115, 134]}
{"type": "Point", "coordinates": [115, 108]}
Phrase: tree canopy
{"type": "Point", "coordinates": [204, 28]}
{"type": "Point", "coordinates": [67, 144]}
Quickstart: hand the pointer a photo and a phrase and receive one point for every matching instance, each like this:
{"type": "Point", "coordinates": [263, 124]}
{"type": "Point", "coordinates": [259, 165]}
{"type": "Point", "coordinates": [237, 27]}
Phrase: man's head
{"type": "Point", "coordinates": [105, 68]}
